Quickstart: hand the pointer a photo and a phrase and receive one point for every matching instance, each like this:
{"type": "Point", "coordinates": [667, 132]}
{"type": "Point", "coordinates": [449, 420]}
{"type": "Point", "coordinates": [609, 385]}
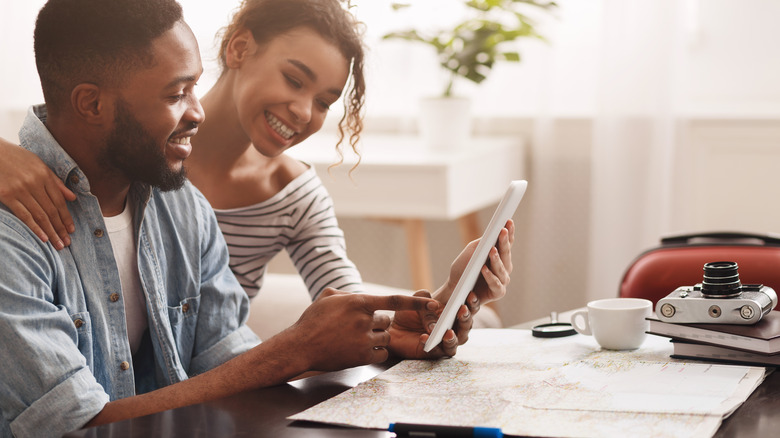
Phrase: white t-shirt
{"type": "Point", "coordinates": [122, 237]}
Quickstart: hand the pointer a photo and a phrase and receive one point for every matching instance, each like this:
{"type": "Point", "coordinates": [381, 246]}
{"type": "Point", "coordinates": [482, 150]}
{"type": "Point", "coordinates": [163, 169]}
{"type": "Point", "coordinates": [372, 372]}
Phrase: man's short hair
{"type": "Point", "coordinates": [96, 41]}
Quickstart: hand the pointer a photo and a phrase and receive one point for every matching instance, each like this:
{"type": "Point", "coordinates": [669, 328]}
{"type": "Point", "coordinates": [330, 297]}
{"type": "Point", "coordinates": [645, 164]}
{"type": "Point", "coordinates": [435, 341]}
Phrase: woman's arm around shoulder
{"type": "Point", "coordinates": [35, 194]}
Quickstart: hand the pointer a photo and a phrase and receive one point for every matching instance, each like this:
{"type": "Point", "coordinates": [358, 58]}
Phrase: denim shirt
{"type": "Point", "coordinates": [65, 352]}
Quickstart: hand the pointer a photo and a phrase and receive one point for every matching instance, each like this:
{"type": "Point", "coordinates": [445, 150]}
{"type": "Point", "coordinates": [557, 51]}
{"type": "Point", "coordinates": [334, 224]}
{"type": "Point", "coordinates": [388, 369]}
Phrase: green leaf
{"type": "Point", "coordinates": [511, 56]}
{"type": "Point", "coordinates": [470, 48]}
{"type": "Point", "coordinates": [399, 6]}
{"type": "Point", "coordinates": [475, 76]}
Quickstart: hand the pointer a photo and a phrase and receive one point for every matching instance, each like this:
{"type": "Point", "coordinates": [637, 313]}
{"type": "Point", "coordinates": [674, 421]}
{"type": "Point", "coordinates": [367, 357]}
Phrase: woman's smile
{"type": "Point", "coordinates": [279, 127]}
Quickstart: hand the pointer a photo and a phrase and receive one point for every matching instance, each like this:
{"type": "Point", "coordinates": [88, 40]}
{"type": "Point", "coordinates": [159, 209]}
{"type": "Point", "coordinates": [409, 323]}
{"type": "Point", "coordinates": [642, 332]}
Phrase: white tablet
{"type": "Point", "coordinates": [506, 208]}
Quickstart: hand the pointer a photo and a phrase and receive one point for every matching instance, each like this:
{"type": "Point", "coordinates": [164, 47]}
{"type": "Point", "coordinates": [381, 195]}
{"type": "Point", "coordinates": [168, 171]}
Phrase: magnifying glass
{"type": "Point", "coordinates": [553, 329]}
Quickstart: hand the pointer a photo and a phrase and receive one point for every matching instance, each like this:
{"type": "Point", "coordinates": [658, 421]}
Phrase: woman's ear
{"type": "Point", "coordinates": [88, 104]}
{"type": "Point", "coordinates": [239, 47]}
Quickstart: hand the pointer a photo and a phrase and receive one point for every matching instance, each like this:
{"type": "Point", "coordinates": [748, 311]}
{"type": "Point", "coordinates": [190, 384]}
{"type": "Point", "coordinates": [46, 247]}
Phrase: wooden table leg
{"type": "Point", "coordinates": [419, 255]}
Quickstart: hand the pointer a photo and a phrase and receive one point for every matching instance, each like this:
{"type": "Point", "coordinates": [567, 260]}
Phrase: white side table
{"type": "Point", "coordinates": [399, 179]}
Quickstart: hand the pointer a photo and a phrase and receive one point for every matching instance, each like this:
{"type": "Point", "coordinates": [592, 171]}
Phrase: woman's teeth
{"type": "Point", "coordinates": [279, 127]}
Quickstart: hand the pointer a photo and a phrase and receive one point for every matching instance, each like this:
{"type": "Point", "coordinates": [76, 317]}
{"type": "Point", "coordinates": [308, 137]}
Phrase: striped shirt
{"type": "Point", "coordinates": [299, 219]}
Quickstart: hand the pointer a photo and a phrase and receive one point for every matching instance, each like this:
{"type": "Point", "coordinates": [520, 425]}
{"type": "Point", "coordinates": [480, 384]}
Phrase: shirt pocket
{"type": "Point", "coordinates": [184, 322]}
{"type": "Point", "coordinates": [83, 324]}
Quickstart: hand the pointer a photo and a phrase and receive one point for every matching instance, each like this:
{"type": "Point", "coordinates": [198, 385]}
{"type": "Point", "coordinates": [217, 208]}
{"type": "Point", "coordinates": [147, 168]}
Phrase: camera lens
{"type": "Point", "coordinates": [721, 280]}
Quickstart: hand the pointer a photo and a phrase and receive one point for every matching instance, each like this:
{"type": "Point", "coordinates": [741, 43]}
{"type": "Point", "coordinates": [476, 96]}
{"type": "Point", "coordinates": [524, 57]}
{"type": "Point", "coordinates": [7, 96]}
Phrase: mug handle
{"type": "Point", "coordinates": [585, 328]}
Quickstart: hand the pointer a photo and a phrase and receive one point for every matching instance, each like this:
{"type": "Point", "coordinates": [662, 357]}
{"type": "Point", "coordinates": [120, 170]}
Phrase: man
{"type": "Point", "coordinates": [141, 313]}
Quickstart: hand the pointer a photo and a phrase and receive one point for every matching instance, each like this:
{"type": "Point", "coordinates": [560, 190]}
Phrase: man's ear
{"type": "Point", "coordinates": [89, 104]}
{"type": "Point", "coordinates": [241, 45]}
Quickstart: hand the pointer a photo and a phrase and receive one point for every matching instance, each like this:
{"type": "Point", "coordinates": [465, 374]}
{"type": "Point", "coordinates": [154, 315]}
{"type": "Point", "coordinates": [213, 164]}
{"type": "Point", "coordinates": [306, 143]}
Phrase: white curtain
{"type": "Point", "coordinates": [635, 135]}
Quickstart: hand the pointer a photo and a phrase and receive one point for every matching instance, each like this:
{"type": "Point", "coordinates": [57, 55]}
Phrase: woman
{"type": "Point", "coordinates": [284, 63]}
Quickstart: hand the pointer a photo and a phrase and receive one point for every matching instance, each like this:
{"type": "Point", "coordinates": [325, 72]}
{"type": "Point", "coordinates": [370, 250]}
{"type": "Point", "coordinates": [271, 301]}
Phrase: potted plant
{"type": "Point", "coordinates": [468, 50]}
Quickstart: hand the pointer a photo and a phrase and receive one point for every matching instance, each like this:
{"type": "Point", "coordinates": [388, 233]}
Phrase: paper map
{"type": "Point", "coordinates": [565, 387]}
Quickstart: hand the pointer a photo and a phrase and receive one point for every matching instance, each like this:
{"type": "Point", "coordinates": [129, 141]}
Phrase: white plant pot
{"type": "Point", "coordinates": [445, 122]}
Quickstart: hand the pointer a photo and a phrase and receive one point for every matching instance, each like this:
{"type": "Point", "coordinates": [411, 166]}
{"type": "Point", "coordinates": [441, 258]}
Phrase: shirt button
{"type": "Point", "coordinates": [124, 366]}
{"type": "Point", "coordinates": [114, 297]}
{"type": "Point", "coordinates": [74, 179]}
{"type": "Point", "coordinates": [185, 307]}
{"type": "Point", "coordinates": [98, 233]}
{"type": "Point", "coordinates": [78, 323]}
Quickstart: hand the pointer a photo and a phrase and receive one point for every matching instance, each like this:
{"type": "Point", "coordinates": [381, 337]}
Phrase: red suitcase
{"type": "Point", "coordinates": [679, 261]}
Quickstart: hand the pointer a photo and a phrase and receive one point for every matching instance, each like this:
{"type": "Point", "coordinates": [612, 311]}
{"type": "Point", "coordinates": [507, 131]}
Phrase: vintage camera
{"type": "Point", "coordinates": [720, 298]}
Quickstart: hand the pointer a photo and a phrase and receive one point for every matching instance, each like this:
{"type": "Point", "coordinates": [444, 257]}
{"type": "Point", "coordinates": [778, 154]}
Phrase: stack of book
{"type": "Point", "coordinates": [757, 344]}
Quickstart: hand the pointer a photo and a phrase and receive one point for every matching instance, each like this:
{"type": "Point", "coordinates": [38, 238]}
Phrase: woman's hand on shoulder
{"type": "Point", "coordinates": [35, 195]}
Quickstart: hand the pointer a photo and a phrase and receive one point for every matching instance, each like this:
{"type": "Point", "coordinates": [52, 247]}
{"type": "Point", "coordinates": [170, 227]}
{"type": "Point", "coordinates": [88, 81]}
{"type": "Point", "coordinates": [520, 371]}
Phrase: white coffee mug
{"type": "Point", "coordinates": [616, 323]}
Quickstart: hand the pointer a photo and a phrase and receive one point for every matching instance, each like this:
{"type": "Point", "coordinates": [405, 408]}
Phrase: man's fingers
{"type": "Point", "coordinates": [329, 292]}
{"type": "Point", "coordinates": [379, 355]}
{"type": "Point", "coordinates": [380, 339]}
{"type": "Point", "coordinates": [381, 321]}
{"type": "Point", "coordinates": [422, 293]}
{"type": "Point", "coordinates": [373, 303]}
{"type": "Point", "coordinates": [429, 317]}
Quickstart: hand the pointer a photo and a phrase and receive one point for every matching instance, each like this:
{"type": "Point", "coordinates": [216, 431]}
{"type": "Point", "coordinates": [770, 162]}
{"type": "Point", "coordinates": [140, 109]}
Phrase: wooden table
{"type": "Point", "coordinates": [263, 412]}
{"type": "Point", "coordinates": [260, 413]}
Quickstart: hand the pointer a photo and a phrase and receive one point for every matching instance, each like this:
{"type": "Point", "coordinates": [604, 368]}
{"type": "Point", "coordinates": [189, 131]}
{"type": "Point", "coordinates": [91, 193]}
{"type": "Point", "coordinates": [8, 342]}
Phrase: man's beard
{"type": "Point", "coordinates": [132, 151]}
